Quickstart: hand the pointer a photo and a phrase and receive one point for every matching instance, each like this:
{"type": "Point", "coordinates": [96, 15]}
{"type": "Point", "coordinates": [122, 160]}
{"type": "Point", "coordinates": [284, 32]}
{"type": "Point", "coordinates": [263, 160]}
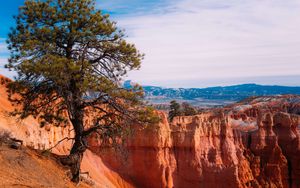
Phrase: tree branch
{"type": "Point", "coordinates": [66, 138]}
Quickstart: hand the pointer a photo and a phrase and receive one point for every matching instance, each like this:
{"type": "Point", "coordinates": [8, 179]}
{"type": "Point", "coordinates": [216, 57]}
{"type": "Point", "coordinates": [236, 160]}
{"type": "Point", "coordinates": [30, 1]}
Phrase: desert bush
{"type": "Point", "coordinates": [188, 110]}
{"type": "Point", "coordinates": [184, 109]}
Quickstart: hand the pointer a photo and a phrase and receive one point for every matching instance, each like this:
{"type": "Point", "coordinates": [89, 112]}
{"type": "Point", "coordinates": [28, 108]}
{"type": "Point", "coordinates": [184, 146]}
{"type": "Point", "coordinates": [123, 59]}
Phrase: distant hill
{"type": "Point", "coordinates": [213, 96]}
{"type": "Point", "coordinates": [236, 92]}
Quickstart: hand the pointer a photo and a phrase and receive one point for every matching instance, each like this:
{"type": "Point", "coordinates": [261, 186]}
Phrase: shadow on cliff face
{"type": "Point", "coordinates": [146, 157]}
{"type": "Point", "coordinates": [286, 128]}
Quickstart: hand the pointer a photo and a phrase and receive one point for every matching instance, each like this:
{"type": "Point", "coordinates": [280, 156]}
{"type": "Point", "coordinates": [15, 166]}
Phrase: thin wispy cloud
{"type": "Point", "coordinates": [4, 71]}
{"type": "Point", "coordinates": [4, 53]}
{"type": "Point", "coordinates": [216, 40]}
{"type": "Point", "coordinates": [121, 8]}
{"type": "Point", "coordinates": [3, 48]}
{"type": "Point", "coordinates": [197, 43]}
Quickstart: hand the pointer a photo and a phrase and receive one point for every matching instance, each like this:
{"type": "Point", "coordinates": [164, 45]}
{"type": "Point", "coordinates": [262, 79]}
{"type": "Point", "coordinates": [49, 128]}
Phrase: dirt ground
{"type": "Point", "coordinates": [29, 168]}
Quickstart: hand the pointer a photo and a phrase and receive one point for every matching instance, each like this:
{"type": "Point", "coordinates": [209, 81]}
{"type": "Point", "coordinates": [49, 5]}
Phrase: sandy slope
{"type": "Point", "coordinates": [28, 168]}
{"type": "Point", "coordinates": [32, 135]}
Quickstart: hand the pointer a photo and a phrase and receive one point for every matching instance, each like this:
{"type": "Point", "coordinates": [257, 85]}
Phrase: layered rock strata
{"type": "Point", "coordinates": [250, 144]}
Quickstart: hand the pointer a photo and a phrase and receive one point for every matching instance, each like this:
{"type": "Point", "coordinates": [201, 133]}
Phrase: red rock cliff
{"type": "Point", "coordinates": [251, 144]}
{"type": "Point", "coordinates": [32, 135]}
{"type": "Point", "coordinates": [254, 143]}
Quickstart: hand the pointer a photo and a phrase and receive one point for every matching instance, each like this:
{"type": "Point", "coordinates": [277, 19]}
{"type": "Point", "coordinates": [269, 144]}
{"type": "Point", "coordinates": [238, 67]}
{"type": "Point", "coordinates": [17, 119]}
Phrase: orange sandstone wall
{"type": "Point", "coordinates": [32, 135]}
{"type": "Point", "coordinates": [255, 143]}
{"type": "Point", "coordinates": [243, 146]}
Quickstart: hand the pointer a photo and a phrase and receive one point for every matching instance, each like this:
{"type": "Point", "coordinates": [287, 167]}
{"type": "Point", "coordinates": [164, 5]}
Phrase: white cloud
{"type": "Point", "coordinates": [4, 71]}
{"type": "Point", "coordinates": [215, 39]}
{"type": "Point", "coordinates": [3, 60]}
{"type": "Point", "coordinates": [3, 46]}
{"type": "Point", "coordinates": [197, 43]}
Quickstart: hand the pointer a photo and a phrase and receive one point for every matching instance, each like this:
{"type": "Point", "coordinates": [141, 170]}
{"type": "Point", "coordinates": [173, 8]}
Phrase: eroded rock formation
{"type": "Point", "coordinates": [251, 144]}
{"type": "Point", "coordinates": [254, 143]}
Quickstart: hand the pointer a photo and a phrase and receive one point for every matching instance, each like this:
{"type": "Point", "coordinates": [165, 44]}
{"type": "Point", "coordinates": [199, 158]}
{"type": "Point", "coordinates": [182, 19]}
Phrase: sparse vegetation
{"type": "Point", "coordinates": [174, 110]}
{"type": "Point", "coordinates": [185, 109]}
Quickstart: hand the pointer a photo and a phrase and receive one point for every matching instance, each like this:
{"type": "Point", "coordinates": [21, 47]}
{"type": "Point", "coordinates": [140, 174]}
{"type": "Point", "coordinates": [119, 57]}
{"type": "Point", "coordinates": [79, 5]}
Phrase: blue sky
{"type": "Point", "coordinates": [199, 43]}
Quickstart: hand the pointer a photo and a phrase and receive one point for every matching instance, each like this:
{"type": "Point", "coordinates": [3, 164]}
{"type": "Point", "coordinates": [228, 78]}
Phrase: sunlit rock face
{"type": "Point", "coordinates": [32, 135]}
{"type": "Point", "coordinates": [254, 143]}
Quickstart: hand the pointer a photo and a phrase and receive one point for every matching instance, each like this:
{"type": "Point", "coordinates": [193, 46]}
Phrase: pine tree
{"type": "Point", "coordinates": [70, 59]}
{"type": "Point", "coordinates": [174, 110]}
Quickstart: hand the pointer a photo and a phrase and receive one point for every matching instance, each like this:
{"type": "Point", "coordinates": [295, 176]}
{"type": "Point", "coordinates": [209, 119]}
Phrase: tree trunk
{"type": "Point", "coordinates": [76, 156]}
{"type": "Point", "coordinates": [79, 147]}
{"type": "Point", "coordinates": [76, 115]}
